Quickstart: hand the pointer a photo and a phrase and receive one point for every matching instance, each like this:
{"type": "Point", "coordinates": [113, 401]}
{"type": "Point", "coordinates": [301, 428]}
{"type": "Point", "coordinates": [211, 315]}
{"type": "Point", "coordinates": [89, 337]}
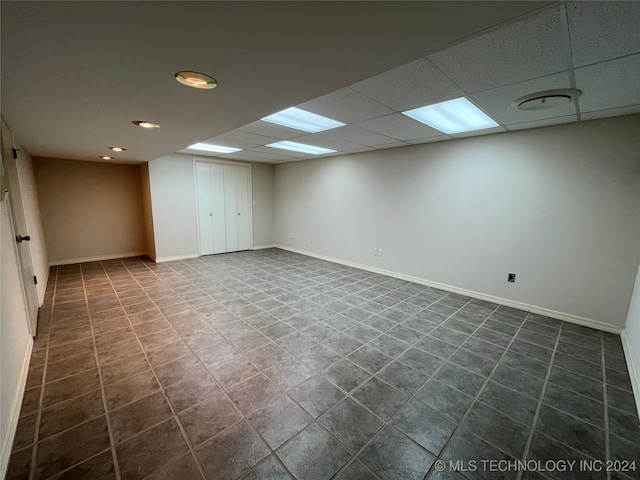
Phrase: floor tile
{"type": "Point", "coordinates": [70, 387]}
{"type": "Point", "coordinates": [444, 399]}
{"type": "Point", "coordinates": [62, 451]}
{"type": "Point", "coordinates": [346, 375]}
{"type": "Point", "coordinates": [314, 454]}
{"type": "Point", "coordinates": [231, 453]}
{"type": "Point", "coordinates": [253, 393]}
{"type": "Point", "coordinates": [65, 415]}
{"type": "Point", "coordinates": [460, 378]}
{"type": "Point", "coordinates": [130, 389]}
{"type": "Point", "coordinates": [402, 377]}
{"type": "Point", "coordinates": [289, 374]}
{"type": "Point", "coordinates": [209, 418]}
{"type": "Point", "coordinates": [351, 424]}
{"type": "Point", "coordinates": [395, 457]}
{"type": "Point", "coordinates": [356, 471]}
{"type": "Point", "coordinates": [509, 402]}
{"type": "Point", "coordinates": [233, 372]}
{"type": "Point", "coordinates": [268, 469]}
{"type": "Point", "coordinates": [380, 398]}
{"type": "Point", "coordinates": [369, 358]}
{"type": "Point", "coordinates": [279, 421]}
{"type": "Point", "coordinates": [518, 381]}
{"type": "Point", "coordinates": [184, 468]}
{"type": "Point", "coordinates": [317, 395]}
{"type": "Point", "coordinates": [586, 408]}
{"type": "Point", "coordinates": [135, 417]}
{"type": "Point", "coordinates": [425, 426]}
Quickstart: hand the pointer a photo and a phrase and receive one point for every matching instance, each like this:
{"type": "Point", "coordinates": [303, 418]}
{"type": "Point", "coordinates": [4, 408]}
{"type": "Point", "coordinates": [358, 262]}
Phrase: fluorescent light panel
{"type": "Point", "coordinates": [207, 147]}
{"type": "Point", "coordinates": [300, 147]}
{"type": "Point", "coordinates": [302, 120]}
{"type": "Point", "coordinates": [453, 116]}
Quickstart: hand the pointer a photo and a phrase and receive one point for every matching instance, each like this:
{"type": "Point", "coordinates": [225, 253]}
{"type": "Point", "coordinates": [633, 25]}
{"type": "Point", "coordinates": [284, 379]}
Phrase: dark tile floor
{"type": "Point", "coordinates": [272, 365]}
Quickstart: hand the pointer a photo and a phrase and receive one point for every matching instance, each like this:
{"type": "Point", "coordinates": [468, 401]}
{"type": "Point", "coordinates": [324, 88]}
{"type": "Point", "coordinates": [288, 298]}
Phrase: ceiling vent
{"type": "Point", "coordinates": [547, 99]}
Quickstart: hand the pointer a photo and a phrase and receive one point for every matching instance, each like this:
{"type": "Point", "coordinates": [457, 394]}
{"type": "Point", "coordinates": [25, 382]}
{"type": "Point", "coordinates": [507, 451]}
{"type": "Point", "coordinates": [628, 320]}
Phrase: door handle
{"type": "Point", "coordinates": [20, 238]}
{"type": "Point", "coordinates": [238, 213]}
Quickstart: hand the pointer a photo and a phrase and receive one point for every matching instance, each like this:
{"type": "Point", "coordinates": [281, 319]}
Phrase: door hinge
{"type": "Point", "coordinates": [35, 279]}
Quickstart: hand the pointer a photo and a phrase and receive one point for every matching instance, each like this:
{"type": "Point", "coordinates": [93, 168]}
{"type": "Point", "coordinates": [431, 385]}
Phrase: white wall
{"type": "Point", "coordinates": [173, 203]}
{"type": "Point", "coordinates": [557, 206]}
{"type": "Point", "coordinates": [631, 339]}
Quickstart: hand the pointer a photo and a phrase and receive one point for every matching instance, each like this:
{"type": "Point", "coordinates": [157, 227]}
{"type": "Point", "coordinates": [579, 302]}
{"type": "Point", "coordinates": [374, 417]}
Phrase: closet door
{"type": "Point", "coordinates": [218, 202]}
{"type": "Point", "coordinates": [231, 207]}
{"type": "Point", "coordinates": [242, 196]}
{"type": "Point", "coordinates": [205, 214]}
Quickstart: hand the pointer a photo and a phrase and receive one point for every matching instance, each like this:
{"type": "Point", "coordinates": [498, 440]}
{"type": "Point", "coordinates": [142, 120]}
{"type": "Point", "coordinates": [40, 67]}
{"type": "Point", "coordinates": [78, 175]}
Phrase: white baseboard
{"type": "Point", "coordinates": [176, 257]}
{"type": "Point", "coordinates": [634, 369]}
{"type": "Point", "coordinates": [14, 413]}
{"type": "Point", "coordinates": [262, 247]}
{"type": "Point", "coordinates": [567, 317]}
{"type": "Point", "coordinates": [97, 258]}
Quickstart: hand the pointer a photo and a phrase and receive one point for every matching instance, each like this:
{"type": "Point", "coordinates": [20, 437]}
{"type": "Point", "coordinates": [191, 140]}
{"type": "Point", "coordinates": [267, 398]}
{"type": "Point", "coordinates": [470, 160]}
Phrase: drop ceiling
{"type": "Point", "coordinates": [75, 74]}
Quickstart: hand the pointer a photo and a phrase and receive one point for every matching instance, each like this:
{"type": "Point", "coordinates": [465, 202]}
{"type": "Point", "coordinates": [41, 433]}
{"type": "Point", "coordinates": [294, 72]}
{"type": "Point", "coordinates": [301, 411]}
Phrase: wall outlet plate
{"type": "Point", "coordinates": [511, 278]}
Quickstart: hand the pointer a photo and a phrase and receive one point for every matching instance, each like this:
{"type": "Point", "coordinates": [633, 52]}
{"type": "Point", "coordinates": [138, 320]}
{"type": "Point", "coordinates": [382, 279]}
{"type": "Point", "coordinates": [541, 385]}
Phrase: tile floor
{"type": "Point", "coordinates": [272, 365]}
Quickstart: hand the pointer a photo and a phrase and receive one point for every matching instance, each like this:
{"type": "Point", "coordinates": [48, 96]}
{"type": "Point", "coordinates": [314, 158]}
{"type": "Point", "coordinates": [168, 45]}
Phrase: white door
{"type": "Point", "coordinates": [12, 185]}
{"type": "Point", "coordinates": [223, 208]}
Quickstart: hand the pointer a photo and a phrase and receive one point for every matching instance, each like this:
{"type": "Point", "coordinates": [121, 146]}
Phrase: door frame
{"type": "Point", "coordinates": [220, 161]}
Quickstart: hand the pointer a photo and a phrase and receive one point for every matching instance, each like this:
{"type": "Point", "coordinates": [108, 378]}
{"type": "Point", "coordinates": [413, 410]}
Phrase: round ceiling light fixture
{"type": "Point", "coordinates": [196, 80]}
{"type": "Point", "coordinates": [117, 149]}
{"type": "Point", "coordinates": [104, 157]}
{"type": "Point", "coordinates": [546, 100]}
{"type": "Point", "coordinates": [145, 124]}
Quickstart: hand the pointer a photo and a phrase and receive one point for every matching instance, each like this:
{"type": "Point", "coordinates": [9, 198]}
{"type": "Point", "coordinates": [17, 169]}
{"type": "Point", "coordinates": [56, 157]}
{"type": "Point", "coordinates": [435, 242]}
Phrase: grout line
{"type": "Point", "coordinates": [527, 445]}
{"type": "Point", "coordinates": [107, 417]}
{"type": "Point", "coordinates": [36, 435]}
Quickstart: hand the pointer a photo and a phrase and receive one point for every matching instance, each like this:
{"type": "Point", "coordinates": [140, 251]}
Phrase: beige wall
{"type": "Point", "coordinates": [90, 210]}
{"type": "Point", "coordinates": [558, 206]}
{"type": "Point", "coordinates": [263, 211]}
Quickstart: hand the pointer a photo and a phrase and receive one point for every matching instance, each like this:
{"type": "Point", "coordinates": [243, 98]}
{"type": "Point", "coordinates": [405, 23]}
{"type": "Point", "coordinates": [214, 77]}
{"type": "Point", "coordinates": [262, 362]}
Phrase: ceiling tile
{"type": "Point", "coordinates": [346, 106]}
{"type": "Point", "coordinates": [413, 85]}
{"type": "Point", "coordinates": [609, 84]}
{"type": "Point", "coordinates": [603, 30]}
{"type": "Point", "coordinates": [613, 112]}
{"type": "Point", "coordinates": [476, 133]}
{"type": "Point", "coordinates": [399, 127]}
{"type": "Point", "coordinates": [245, 137]}
{"type": "Point", "coordinates": [328, 140]}
{"type": "Point", "coordinates": [268, 129]}
{"type": "Point", "coordinates": [277, 153]}
{"type": "Point", "coordinates": [497, 102]}
{"type": "Point", "coordinates": [224, 141]}
{"type": "Point", "coordinates": [248, 156]}
{"type": "Point", "coordinates": [361, 136]}
{"type": "Point", "coordinates": [527, 49]}
{"type": "Point", "coordinates": [391, 145]}
{"type": "Point", "coordinates": [439, 138]}
{"type": "Point", "coordinates": [543, 123]}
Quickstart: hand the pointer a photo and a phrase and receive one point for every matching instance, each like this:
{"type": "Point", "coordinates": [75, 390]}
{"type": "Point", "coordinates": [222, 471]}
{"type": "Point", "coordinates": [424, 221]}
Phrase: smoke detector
{"type": "Point", "coordinates": [547, 99]}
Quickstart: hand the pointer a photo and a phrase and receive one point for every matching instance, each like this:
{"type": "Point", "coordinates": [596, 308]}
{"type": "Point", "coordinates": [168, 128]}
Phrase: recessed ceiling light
{"type": "Point", "coordinates": [145, 124]}
{"type": "Point", "coordinates": [117, 149]}
{"type": "Point", "coordinates": [547, 99]}
{"type": "Point", "coordinates": [300, 147]}
{"type": "Point", "coordinates": [302, 120]}
{"type": "Point", "coordinates": [104, 157]}
{"type": "Point", "coordinates": [453, 116]}
{"type": "Point", "coordinates": [196, 80]}
{"type": "Point", "coordinates": [207, 147]}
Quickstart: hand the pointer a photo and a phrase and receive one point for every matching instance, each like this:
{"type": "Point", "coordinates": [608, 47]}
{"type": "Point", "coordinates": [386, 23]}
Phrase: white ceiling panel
{"type": "Point", "coordinates": [497, 102]}
{"type": "Point", "coordinates": [346, 106]}
{"type": "Point", "coordinates": [476, 133]}
{"type": "Point", "coordinates": [604, 87]}
{"type": "Point", "coordinates": [242, 137]}
{"type": "Point", "coordinates": [272, 130]}
{"type": "Point", "coordinates": [246, 155]}
{"type": "Point", "coordinates": [413, 85]}
{"type": "Point", "coordinates": [391, 145]}
{"type": "Point", "coordinates": [530, 48]}
{"type": "Point", "coordinates": [439, 138]}
{"type": "Point", "coordinates": [360, 136]}
{"type": "Point", "coordinates": [278, 153]}
{"type": "Point", "coordinates": [613, 112]}
{"type": "Point", "coordinates": [603, 30]}
{"type": "Point", "coordinates": [328, 140]}
{"type": "Point", "coordinates": [543, 123]}
{"type": "Point", "coordinates": [400, 127]}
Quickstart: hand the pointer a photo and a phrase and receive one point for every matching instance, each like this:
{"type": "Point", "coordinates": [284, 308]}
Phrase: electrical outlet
{"type": "Point", "coordinates": [379, 252]}
{"type": "Point", "coordinates": [511, 278]}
